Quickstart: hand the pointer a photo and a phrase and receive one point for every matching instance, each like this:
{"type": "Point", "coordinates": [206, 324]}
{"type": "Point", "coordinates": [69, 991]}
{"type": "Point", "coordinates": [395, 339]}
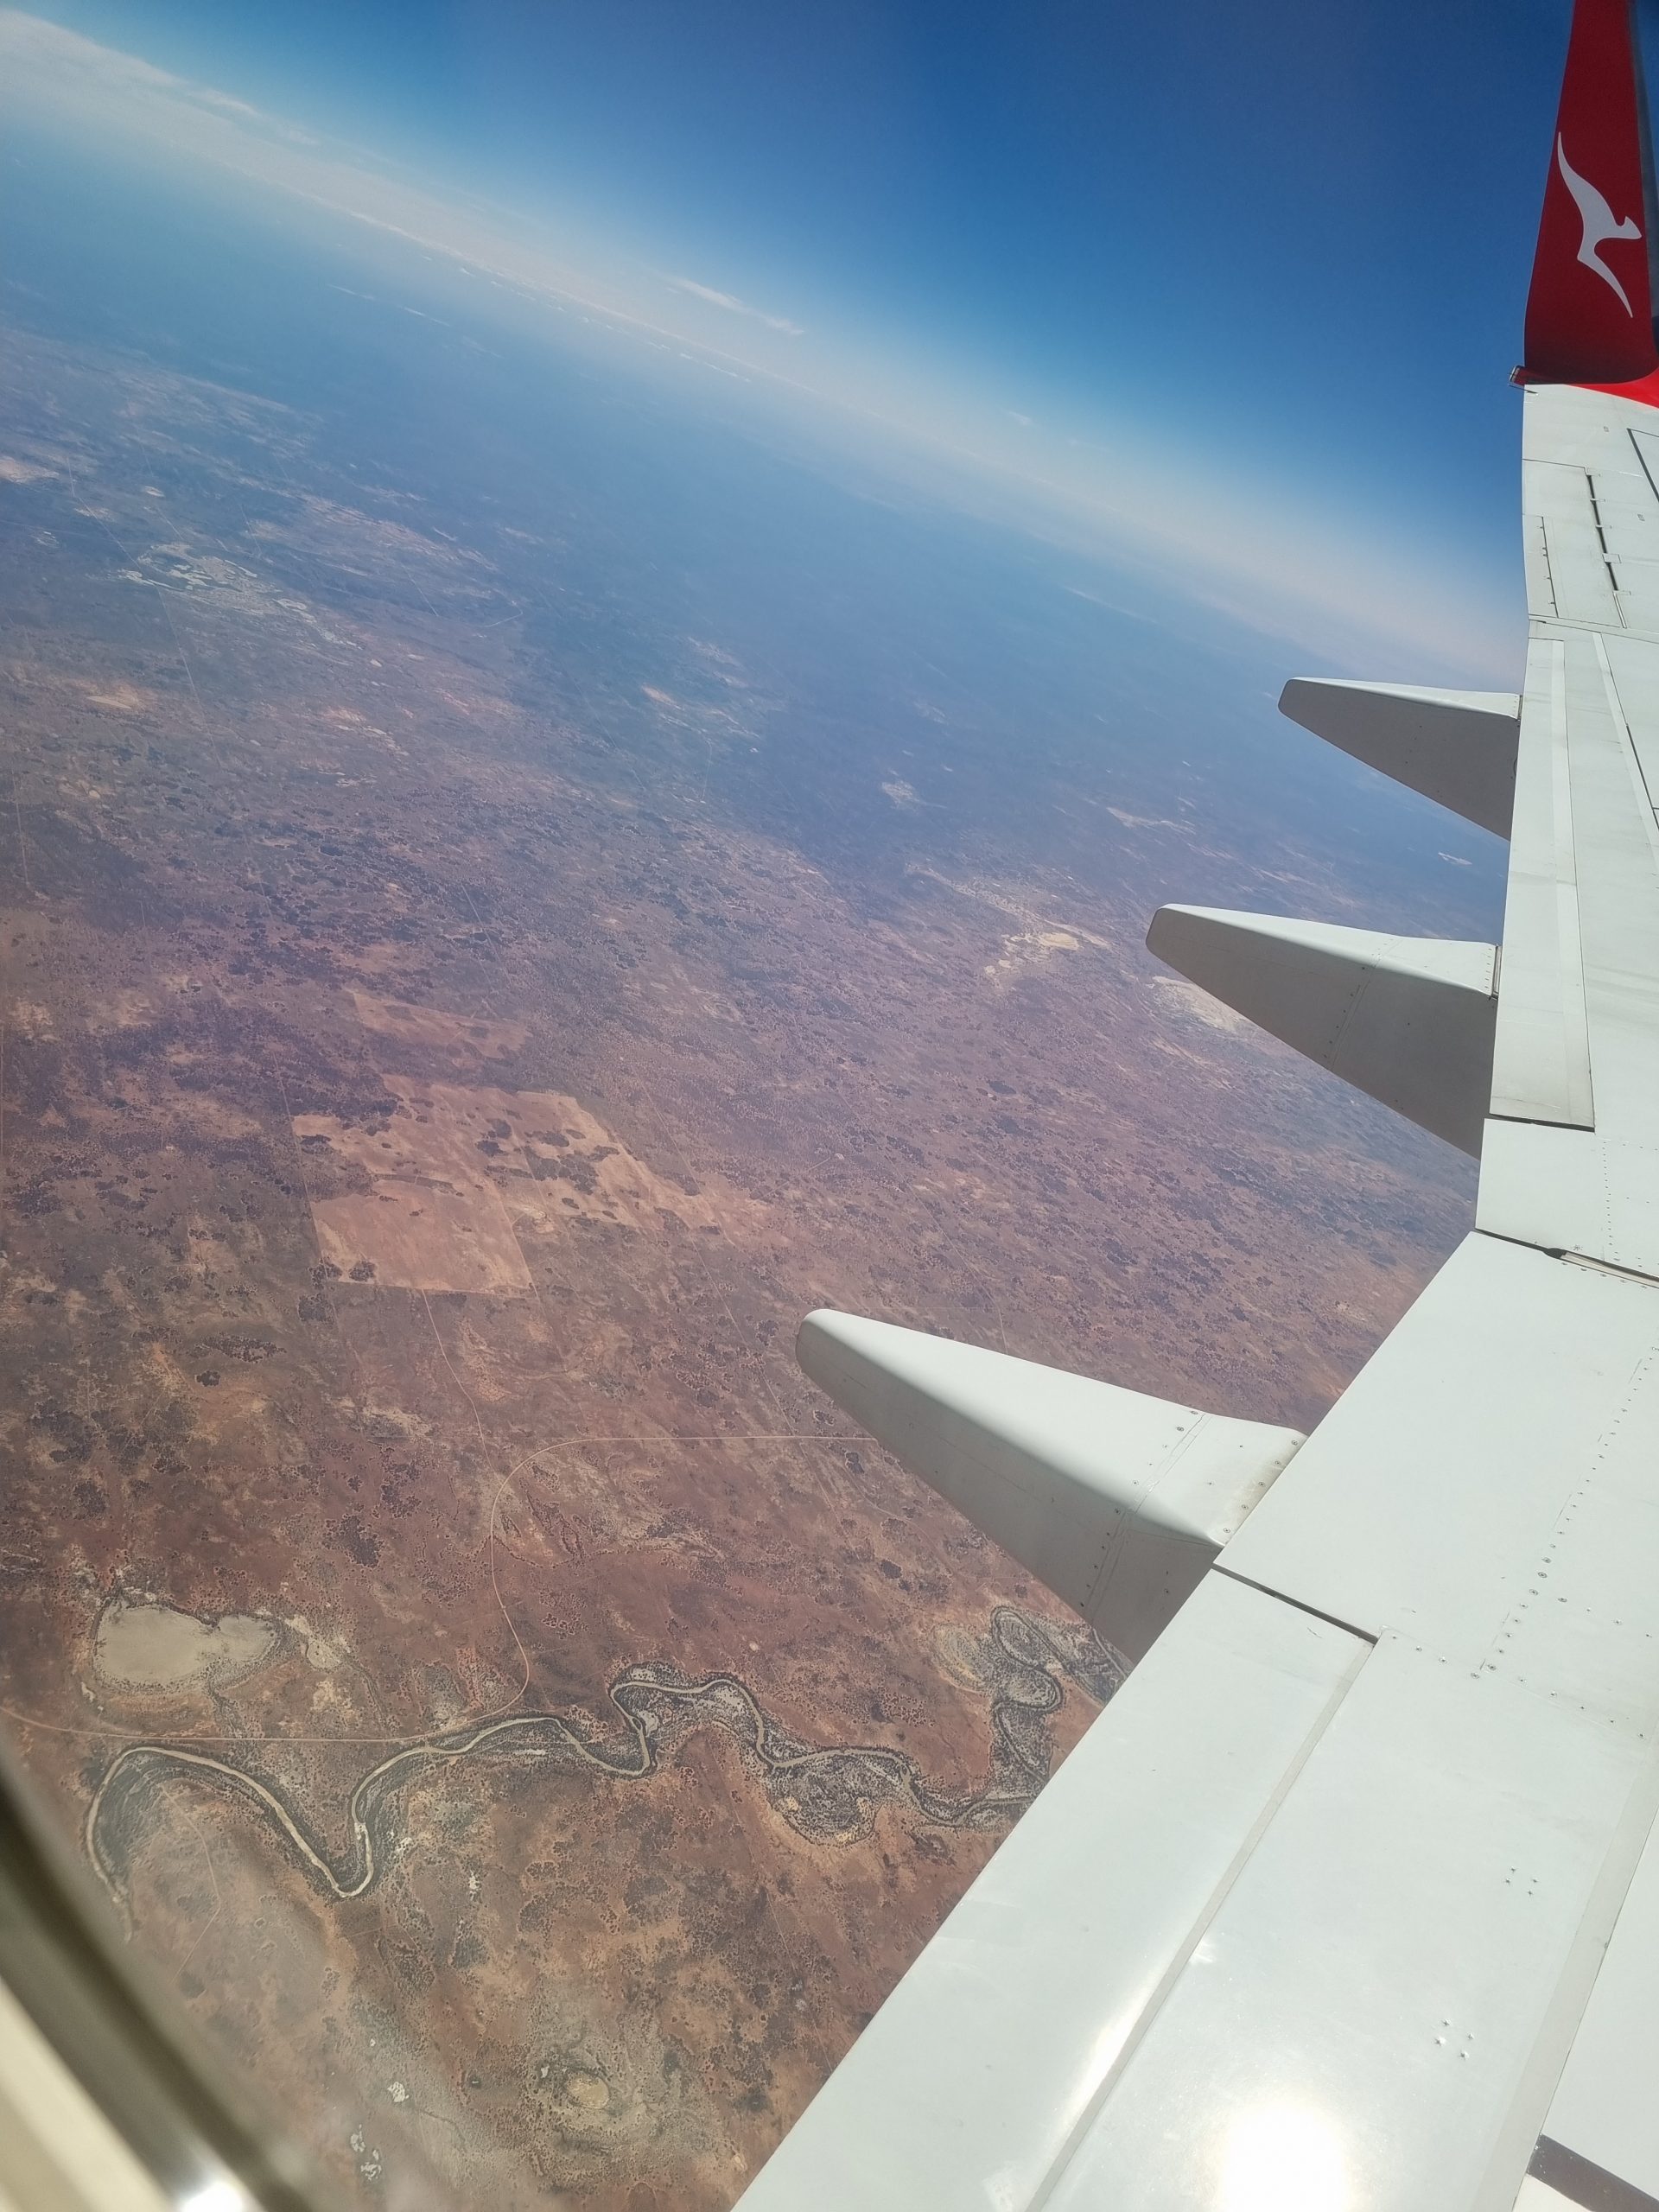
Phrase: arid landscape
{"type": "Point", "coordinates": [464, 1000]}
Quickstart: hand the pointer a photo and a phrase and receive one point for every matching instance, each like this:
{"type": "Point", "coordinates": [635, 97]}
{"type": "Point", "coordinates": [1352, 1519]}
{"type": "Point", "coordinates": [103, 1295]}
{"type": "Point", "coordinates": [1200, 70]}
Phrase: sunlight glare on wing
{"type": "Point", "coordinates": [1283, 2157]}
{"type": "Point", "coordinates": [221, 2195]}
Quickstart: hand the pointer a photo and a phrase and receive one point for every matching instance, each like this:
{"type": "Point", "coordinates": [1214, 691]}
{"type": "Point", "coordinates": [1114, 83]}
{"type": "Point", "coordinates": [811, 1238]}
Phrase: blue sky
{"type": "Point", "coordinates": [1274, 253]}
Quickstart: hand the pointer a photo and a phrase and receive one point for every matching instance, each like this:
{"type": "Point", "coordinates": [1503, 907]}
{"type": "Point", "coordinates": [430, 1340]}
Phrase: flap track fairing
{"type": "Point", "coordinates": [1456, 747]}
{"type": "Point", "coordinates": [1411, 1020]}
{"type": "Point", "coordinates": [1116, 1501]}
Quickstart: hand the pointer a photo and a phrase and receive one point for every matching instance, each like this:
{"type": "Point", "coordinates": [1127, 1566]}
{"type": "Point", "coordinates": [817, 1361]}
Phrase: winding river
{"type": "Point", "coordinates": [828, 1793]}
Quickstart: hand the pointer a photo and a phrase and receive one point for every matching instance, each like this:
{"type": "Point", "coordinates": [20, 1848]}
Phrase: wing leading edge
{"type": "Point", "coordinates": [1350, 1897]}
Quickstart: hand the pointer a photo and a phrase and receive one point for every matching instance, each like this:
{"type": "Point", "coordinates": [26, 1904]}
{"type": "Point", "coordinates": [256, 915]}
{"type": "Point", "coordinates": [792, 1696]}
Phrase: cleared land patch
{"type": "Point", "coordinates": [461, 1037]}
{"type": "Point", "coordinates": [419, 1209]}
{"type": "Point", "coordinates": [443, 1195]}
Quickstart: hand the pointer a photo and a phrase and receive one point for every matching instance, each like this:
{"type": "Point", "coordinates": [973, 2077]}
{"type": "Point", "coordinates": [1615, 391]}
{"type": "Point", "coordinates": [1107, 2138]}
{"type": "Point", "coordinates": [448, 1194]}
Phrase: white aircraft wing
{"type": "Point", "coordinates": [1350, 1897]}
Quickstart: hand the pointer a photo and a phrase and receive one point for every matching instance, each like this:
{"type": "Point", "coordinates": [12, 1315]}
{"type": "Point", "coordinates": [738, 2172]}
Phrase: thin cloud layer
{"type": "Point", "coordinates": [1285, 566]}
{"type": "Point", "coordinates": [733, 305]}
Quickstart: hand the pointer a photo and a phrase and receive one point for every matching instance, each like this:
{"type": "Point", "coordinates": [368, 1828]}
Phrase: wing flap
{"type": "Point", "coordinates": [1582, 581]}
{"type": "Point", "coordinates": [1407, 1942]}
{"type": "Point", "coordinates": [1571, 1191]}
{"type": "Point", "coordinates": [1507, 1429]}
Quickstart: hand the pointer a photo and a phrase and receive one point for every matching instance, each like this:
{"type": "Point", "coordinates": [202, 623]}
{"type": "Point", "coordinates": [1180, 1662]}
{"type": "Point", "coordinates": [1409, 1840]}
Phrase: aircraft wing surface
{"type": "Point", "coordinates": [1349, 1899]}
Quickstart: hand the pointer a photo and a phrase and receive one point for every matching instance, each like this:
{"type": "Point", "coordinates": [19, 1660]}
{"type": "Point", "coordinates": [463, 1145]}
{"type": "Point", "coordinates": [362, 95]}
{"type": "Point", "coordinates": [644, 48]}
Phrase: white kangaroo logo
{"type": "Point", "coordinates": [1598, 225]}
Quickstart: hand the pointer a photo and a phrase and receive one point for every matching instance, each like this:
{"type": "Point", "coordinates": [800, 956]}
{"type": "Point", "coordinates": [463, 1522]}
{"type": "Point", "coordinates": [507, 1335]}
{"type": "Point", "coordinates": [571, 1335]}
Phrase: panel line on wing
{"type": "Point", "coordinates": [1539, 2080]}
{"type": "Point", "coordinates": [1604, 1267]}
{"type": "Point", "coordinates": [1578, 565]}
{"type": "Point", "coordinates": [1575, 1020]}
{"type": "Point", "coordinates": [1632, 751]}
{"type": "Point", "coordinates": [1542, 1069]}
{"type": "Point", "coordinates": [1541, 583]}
{"type": "Point", "coordinates": [1332, 1620]}
{"type": "Point", "coordinates": [1640, 440]}
{"type": "Point", "coordinates": [1583, 2182]}
{"type": "Point", "coordinates": [1617, 898]}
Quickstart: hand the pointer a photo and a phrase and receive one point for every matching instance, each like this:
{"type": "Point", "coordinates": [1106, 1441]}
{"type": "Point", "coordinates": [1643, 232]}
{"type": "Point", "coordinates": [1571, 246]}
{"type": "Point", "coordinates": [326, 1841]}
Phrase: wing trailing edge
{"type": "Point", "coordinates": [1410, 1021]}
{"type": "Point", "coordinates": [1116, 1501]}
{"type": "Point", "coordinates": [1456, 747]}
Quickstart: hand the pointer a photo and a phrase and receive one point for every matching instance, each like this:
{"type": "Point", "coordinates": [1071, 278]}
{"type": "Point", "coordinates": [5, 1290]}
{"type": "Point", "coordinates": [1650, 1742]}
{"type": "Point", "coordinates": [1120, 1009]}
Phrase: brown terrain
{"type": "Point", "coordinates": [505, 1703]}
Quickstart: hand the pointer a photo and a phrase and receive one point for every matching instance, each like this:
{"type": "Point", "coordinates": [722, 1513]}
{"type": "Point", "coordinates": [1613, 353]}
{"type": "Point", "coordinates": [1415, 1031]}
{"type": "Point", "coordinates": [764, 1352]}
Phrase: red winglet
{"type": "Point", "coordinates": [1590, 311]}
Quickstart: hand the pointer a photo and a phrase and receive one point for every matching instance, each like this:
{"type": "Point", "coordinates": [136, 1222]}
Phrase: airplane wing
{"type": "Point", "coordinates": [1349, 1899]}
